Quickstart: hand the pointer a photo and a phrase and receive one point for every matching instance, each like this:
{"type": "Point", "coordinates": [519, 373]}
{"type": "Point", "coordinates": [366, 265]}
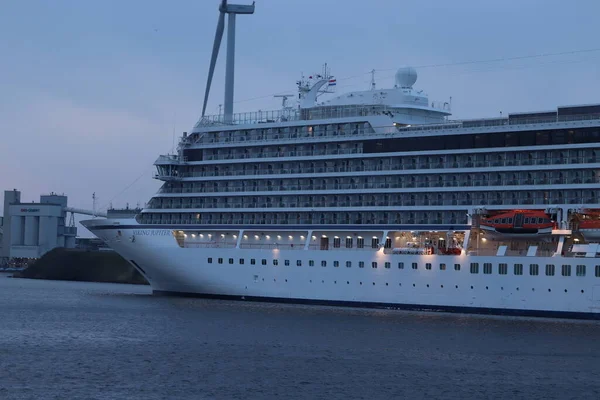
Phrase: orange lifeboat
{"type": "Point", "coordinates": [518, 223]}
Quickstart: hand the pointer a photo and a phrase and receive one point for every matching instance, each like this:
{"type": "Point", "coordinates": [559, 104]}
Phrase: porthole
{"type": "Point", "coordinates": [373, 283]}
{"type": "Point", "coordinates": [456, 286]}
{"type": "Point", "coordinates": [361, 283]}
{"type": "Point", "coordinates": [501, 287]}
{"type": "Point", "coordinates": [517, 289]}
{"type": "Point", "coordinates": [533, 289]}
{"type": "Point", "coordinates": [486, 288]}
{"type": "Point", "coordinates": [413, 285]}
{"type": "Point", "coordinates": [335, 282]}
{"type": "Point", "coordinates": [565, 290]}
{"type": "Point", "coordinates": [581, 290]}
{"type": "Point", "coordinates": [549, 290]}
{"type": "Point", "coordinates": [347, 282]}
{"type": "Point", "coordinates": [471, 287]}
{"type": "Point", "coordinates": [442, 286]}
{"type": "Point", "coordinates": [428, 285]}
{"type": "Point", "coordinates": [286, 280]}
{"type": "Point", "coordinates": [386, 284]}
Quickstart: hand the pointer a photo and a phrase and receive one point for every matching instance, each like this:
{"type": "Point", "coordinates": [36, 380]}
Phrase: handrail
{"type": "Point", "coordinates": [492, 122]}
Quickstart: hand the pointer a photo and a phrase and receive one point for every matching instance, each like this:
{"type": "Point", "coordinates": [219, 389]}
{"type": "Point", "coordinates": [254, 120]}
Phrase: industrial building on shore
{"type": "Point", "coordinates": [29, 230]}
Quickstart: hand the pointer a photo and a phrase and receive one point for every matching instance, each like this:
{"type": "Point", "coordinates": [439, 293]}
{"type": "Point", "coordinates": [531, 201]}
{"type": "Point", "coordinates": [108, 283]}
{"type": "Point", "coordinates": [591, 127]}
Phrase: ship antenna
{"type": "Point", "coordinates": [232, 10]}
{"type": "Point", "coordinates": [284, 99]}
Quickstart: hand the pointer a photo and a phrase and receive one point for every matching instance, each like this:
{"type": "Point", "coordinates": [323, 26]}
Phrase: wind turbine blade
{"type": "Point", "coordinates": [215, 54]}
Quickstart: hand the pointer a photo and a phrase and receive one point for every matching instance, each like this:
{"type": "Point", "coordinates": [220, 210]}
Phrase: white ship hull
{"type": "Point", "coordinates": [172, 269]}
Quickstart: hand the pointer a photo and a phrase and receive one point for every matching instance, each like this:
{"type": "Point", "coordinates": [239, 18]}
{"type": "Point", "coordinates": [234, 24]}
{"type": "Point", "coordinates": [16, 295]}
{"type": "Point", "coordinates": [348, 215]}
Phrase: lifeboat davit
{"type": "Point", "coordinates": [518, 223]}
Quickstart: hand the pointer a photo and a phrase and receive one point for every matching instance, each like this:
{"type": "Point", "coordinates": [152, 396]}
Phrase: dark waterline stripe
{"type": "Point", "coordinates": [411, 307]}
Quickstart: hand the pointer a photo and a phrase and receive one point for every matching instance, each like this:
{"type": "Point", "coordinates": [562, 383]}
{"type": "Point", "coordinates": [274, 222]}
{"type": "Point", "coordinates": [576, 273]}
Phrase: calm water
{"type": "Point", "coordinates": [66, 340]}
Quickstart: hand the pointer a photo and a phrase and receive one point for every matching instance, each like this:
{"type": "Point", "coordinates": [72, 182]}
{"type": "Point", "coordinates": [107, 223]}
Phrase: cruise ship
{"type": "Point", "coordinates": [375, 198]}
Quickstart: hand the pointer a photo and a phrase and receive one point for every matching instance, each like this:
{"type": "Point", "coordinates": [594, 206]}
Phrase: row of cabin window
{"type": "Point", "coordinates": [534, 269]}
{"type": "Point", "coordinates": [311, 263]}
{"type": "Point", "coordinates": [580, 270]}
{"type": "Point", "coordinates": [360, 243]}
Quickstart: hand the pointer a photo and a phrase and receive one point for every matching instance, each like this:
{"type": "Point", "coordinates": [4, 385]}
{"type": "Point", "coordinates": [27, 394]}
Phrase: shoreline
{"type": "Point", "coordinates": [76, 265]}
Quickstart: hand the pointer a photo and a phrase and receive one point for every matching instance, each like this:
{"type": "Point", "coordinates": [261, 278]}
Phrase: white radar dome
{"type": "Point", "coordinates": [406, 77]}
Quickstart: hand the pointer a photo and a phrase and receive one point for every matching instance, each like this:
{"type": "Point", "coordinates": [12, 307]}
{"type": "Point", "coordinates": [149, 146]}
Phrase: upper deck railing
{"type": "Point", "coordinates": [315, 113]}
{"type": "Point", "coordinates": [495, 122]}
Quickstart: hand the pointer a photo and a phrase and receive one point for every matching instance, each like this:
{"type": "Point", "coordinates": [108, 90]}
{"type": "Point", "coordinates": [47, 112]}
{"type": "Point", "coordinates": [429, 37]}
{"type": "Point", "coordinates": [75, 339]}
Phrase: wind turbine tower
{"type": "Point", "coordinates": [232, 10]}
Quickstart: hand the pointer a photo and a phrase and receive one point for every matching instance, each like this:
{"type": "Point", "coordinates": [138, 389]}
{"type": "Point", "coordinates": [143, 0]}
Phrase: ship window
{"type": "Point", "coordinates": [518, 269]}
{"type": "Point", "coordinates": [275, 262]}
{"type": "Point", "coordinates": [597, 271]}
{"type": "Point", "coordinates": [414, 266]}
{"type": "Point", "coordinates": [336, 264]}
{"type": "Point", "coordinates": [534, 269]}
{"type": "Point", "coordinates": [323, 263]}
{"type": "Point", "coordinates": [252, 261]}
{"type": "Point", "coordinates": [349, 243]}
{"type": "Point", "coordinates": [388, 243]}
{"type": "Point", "coordinates": [502, 269]}
{"type": "Point", "coordinates": [348, 264]}
{"type": "Point", "coordinates": [286, 263]}
{"type": "Point", "coordinates": [474, 268]}
{"type": "Point", "coordinates": [550, 269]}
{"type": "Point", "coordinates": [427, 265]}
{"type": "Point", "coordinates": [360, 243]}
{"type": "Point", "coordinates": [311, 263]}
{"type": "Point", "coordinates": [401, 265]}
{"type": "Point", "coordinates": [566, 270]}
{"type": "Point", "coordinates": [526, 221]}
{"type": "Point", "coordinates": [487, 268]}
{"type": "Point", "coordinates": [374, 243]}
{"type": "Point", "coordinates": [457, 267]}
{"type": "Point", "coordinates": [220, 261]}
{"type": "Point", "coordinates": [210, 260]}
{"type": "Point", "coordinates": [231, 261]}
{"type": "Point", "coordinates": [509, 221]}
{"type": "Point", "coordinates": [388, 265]}
{"type": "Point", "coordinates": [264, 262]}
{"type": "Point", "coordinates": [241, 261]}
{"type": "Point", "coordinates": [503, 220]}
{"type": "Point", "coordinates": [374, 264]}
{"type": "Point", "coordinates": [580, 270]}
{"type": "Point", "coordinates": [442, 267]}
{"type": "Point", "coordinates": [299, 263]}
{"type": "Point", "coordinates": [361, 264]}
{"type": "Point", "coordinates": [336, 242]}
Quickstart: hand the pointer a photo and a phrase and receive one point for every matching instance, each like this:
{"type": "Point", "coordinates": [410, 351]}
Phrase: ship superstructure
{"type": "Point", "coordinates": [376, 197]}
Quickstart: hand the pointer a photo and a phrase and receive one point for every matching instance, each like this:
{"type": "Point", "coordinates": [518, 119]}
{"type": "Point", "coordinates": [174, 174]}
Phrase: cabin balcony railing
{"type": "Point", "coordinates": [405, 166]}
{"type": "Point", "coordinates": [390, 185]}
{"type": "Point", "coordinates": [304, 136]}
